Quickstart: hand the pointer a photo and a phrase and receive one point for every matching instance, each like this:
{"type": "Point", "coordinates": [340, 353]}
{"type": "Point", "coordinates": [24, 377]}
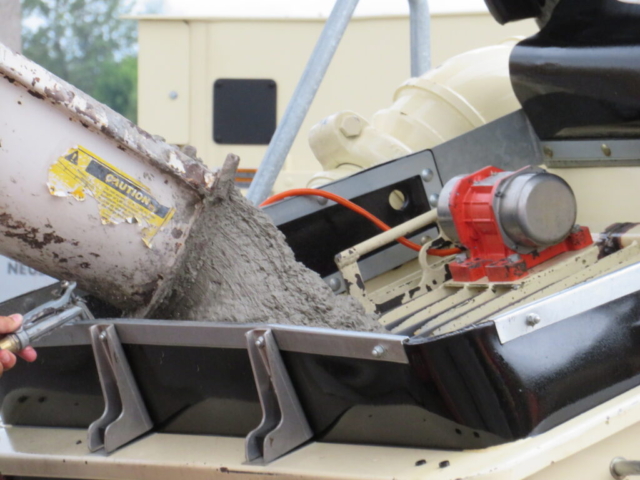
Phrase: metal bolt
{"type": "Point", "coordinates": [548, 152]}
{"type": "Point", "coordinates": [173, 94]}
{"type": "Point", "coordinates": [426, 239]}
{"type": "Point", "coordinates": [260, 342]}
{"type": "Point", "coordinates": [533, 319]}
{"type": "Point", "coordinates": [426, 175]}
{"type": "Point", "coordinates": [378, 351]}
{"type": "Point", "coordinates": [606, 150]}
{"type": "Point", "coordinates": [433, 198]}
{"type": "Point", "coordinates": [322, 200]}
{"type": "Point", "coordinates": [351, 126]}
{"type": "Point", "coordinates": [64, 284]}
{"type": "Point", "coordinates": [103, 336]}
{"type": "Point", "coordinates": [335, 284]}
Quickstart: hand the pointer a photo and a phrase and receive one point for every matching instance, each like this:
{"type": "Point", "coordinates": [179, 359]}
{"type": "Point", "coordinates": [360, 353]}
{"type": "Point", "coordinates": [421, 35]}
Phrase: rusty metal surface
{"type": "Point", "coordinates": [43, 85]}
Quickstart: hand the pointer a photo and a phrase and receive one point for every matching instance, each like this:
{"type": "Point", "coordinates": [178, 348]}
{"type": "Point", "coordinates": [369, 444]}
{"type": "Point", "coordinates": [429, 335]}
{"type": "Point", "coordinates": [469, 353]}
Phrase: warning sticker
{"type": "Point", "coordinates": [120, 198]}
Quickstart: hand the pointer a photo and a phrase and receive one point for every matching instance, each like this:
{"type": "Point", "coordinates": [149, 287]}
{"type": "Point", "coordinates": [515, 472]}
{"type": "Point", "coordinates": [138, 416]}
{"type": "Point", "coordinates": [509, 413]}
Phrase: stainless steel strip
{"type": "Point", "coordinates": [568, 303]}
{"type": "Point", "coordinates": [311, 340]}
{"type": "Point", "coordinates": [591, 153]}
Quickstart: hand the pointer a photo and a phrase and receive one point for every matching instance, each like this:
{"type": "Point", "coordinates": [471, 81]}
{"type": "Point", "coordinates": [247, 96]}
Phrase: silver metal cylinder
{"type": "Point", "coordinates": [87, 195]}
{"type": "Point", "coordinates": [621, 468]}
{"type": "Point", "coordinates": [420, 20]}
{"type": "Point", "coordinates": [535, 209]}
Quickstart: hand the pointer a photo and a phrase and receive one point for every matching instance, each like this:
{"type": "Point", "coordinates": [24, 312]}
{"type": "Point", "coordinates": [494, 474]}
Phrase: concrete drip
{"type": "Point", "coordinates": [238, 268]}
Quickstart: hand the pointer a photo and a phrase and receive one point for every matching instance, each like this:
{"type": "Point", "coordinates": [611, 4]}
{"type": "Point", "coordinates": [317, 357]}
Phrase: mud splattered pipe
{"type": "Point", "coordinates": [87, 195]}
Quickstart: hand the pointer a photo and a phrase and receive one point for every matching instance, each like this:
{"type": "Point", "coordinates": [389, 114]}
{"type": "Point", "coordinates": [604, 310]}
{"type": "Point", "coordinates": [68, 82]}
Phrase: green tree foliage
{"type": "Point", "coordinates": [86, 43]}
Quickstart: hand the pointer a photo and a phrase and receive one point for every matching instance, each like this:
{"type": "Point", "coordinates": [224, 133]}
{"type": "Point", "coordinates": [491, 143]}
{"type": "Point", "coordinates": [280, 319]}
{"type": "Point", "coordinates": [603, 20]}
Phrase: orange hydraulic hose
{"type": "Point", "coordinates": [297, 192]}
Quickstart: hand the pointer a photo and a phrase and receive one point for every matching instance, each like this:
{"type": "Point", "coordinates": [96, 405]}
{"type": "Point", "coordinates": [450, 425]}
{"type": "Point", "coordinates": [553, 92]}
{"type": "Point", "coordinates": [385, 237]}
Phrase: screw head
{"type": "Point", "coordinates": [433, 198]}
{"type": "Point", "coordinates": [378, 351]}
{"type": "Point", "coordinates": [64, 284]}
{"type": "Point", "coordinates": [533, 319]}
{"type": "Point", "coordinates": [426, 239]}
{"type": "Point", "coordinates": [548, 152]}
{"type": "Point", "coordinates": [103, 336]}
{"type": "Point", "coordinates": [322, 200]}
{"type": "Point", "coordinates": [606, 150]}
{"type": "Point", "coordinates": [173, 94]}
{"type": "Point", "coordinates": [335, 284]}
{"type": "Point", "coordinates": [351, 126]}
{"type": "Point", "coordinates": [426, 175]}
{"type": "Point", "coordinates": [260, 342]}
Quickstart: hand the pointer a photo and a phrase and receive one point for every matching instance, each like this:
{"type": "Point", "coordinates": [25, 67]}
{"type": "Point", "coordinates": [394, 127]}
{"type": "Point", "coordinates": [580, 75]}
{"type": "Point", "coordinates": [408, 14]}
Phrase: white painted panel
{"type": "Point", "coordinates": [17, 279]}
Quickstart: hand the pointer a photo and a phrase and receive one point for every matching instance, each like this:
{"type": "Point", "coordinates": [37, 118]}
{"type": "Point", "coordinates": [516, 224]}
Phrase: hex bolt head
{"type": "Point", "coordinates": [378, 351]}
{"type": "Point", "coordinates": [433, 199]}
{"type": "Point", "coordinates": [533, 319]}
{"type": "Point", "coordinates": [426, 175]}
{"type": "Point", "coordinates": [173, 94]}
{"type": "Point", "coordinates": [335, 284]}
{"type": "Point", "coordinates": [260, 342]}
{"type": "Point", "coordinates": [351, 126]}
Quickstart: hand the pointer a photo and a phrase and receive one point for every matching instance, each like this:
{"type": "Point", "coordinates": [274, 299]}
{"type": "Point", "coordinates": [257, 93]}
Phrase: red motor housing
{"type": "Point", "coordinates": [509, 222]}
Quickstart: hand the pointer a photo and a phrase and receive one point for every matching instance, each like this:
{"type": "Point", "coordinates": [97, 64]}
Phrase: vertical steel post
{"type": "Point", "coordinates": [420, 20]}
{"type": "Point", "coordinates": [301, 100]}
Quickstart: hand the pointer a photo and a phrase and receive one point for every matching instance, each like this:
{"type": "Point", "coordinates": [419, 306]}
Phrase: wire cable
{"type": "Point", "coordinates": [298, 192]}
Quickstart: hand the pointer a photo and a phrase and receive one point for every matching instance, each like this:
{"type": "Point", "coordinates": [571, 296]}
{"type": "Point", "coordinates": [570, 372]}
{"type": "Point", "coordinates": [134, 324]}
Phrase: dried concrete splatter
{"type": "Point", "coordinates": [238, 268]}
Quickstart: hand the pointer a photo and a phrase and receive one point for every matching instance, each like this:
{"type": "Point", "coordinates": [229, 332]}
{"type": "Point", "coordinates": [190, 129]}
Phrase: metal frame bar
{"type": "Point", "coordinates": [125, 416]}
{"type": "Point", "coordinates": [312, 77]}
{"type": "Point", "coordinates": [420, 164]}
{"type": "Point", "coordinates": [318, 341]}
{"type": "Point", "coordinates": [568, 303]}
{"type": "Point", "coordinates": [609, 152]}
{"type": "Point", "coordinates": [284, 425]}
{"type": "Point", "coordinates": [420, 19]}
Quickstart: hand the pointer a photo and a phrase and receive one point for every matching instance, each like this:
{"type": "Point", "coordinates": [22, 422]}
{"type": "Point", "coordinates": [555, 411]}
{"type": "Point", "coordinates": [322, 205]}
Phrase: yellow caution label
{"type": "Point", "coordinates": [120, 198]}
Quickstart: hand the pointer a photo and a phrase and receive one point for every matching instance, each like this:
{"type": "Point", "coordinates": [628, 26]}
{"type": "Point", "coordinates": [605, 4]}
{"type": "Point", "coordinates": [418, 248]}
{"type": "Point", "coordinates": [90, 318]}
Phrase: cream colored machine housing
{"type": "Point", "coordinates": [464, 93]}
{"type": "Point", "coordinates": [180, 58]}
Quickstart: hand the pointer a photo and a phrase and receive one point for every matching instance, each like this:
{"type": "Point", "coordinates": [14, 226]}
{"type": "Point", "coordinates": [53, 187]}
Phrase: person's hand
{"type": "Point", "coordinates": [7, 359]}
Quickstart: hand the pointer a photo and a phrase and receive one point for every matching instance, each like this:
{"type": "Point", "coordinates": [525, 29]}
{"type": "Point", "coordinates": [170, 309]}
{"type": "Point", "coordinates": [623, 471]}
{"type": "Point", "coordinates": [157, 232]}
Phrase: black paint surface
{"type": "Point", "coordinates": [465, 390]}
{"type": "Point", "coordinates": [578, 77]}
{"type": "Point", "coordinates": [244, 111]}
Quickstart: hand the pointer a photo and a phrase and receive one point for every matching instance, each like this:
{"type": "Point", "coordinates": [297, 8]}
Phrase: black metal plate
{"type": "Point", "coordinates": [465, 390]}
{"type": "Point", "coordinates": [578, 77]}
{"type": "Point", "coordinates": [317, 238]}
{"type": "Point", "coordinates": [244, 111]}
{"type": "Point", "coordinates": [511, 10]}
{"type": "Point", "coordinates": [537, 381]}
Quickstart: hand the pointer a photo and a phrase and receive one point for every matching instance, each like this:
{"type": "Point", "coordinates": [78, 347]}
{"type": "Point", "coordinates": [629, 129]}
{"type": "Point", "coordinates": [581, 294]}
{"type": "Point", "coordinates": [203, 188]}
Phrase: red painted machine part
{"type": "Point", "coordinates": [471, 205]}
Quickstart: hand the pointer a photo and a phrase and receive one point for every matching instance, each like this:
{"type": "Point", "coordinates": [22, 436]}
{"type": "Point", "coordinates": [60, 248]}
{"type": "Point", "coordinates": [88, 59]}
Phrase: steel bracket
{"type": "Point", "coordinates": [284, 425]}
{"type": "Point", "coordinates": [125, 416]}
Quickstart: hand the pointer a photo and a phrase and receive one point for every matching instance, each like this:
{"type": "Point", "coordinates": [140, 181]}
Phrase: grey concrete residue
{"type": "Point", "coordinates": [238, 268]}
